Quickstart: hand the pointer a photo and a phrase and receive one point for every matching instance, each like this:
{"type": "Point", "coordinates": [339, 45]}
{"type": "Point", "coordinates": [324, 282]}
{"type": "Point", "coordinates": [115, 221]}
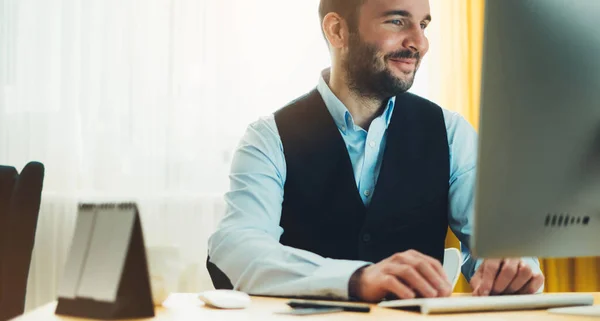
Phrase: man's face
{"type": "Point", "coordinates": [384, 54]}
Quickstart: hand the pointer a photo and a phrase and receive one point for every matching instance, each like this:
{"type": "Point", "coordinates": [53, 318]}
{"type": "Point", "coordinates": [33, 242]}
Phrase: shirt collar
{"type": "Point", "coordinates": [341, 116]}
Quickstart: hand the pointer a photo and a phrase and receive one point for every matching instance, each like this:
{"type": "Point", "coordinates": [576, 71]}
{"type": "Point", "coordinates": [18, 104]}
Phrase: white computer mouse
{"type": "Point", "coordinates": [225, 299]}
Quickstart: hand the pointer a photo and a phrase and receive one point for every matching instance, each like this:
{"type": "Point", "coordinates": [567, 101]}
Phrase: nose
{"type": "Point", "coordinates": [416, 41]}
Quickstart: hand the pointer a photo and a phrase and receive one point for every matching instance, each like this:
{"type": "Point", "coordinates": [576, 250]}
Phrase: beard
{"type": "Point", "coordinates": [370, 77]}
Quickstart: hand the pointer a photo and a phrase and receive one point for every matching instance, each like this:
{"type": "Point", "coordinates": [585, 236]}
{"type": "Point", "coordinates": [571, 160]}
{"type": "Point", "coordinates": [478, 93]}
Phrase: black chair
{"type": "Point", "coordinates": [219, 278]}
{"type": "Point", "coordinates": [18, 238]}
{"type": "Point", "coordinates": [8, 177]}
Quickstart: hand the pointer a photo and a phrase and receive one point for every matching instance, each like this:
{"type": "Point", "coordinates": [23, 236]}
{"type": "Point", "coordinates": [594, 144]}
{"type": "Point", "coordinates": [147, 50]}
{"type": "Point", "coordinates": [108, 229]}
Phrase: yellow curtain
{"type": "Point", "coordinates": [572, 275]}
{"type": "Point", "coordinates": [456, 38]}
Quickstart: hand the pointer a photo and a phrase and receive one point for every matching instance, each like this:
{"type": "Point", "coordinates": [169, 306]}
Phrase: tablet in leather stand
{"type": "Point", "coordinates": [106, 275]}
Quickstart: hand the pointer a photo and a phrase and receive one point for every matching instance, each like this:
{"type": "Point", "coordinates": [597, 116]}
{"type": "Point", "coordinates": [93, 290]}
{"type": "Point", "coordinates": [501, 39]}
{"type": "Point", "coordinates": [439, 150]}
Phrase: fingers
{"type": "Point", "coordinates": [534, 284]}
{"type": "Point", "coordinates": [437, 266]}
{"type": "Point", "coordinates": [405, 275]}
{"type": "Point", "coordinates": [488, 276]}
{"type": "Point", "coordinates": [393, 285]}
{"type": "Point", "coordinates": [427, 268]}
{"type": "Point", "coordinates": [411, 277]}
{"type": "Point", "coordinates": [523, 276]}
{"type": "Point", "coordinates": [509, 276]}
{"type": "Point", "coordinates": [508, 272]}
{"type": "Point", "coordinates": [439, 282]}
{"type": "Point", "coordinates": [476, 279]}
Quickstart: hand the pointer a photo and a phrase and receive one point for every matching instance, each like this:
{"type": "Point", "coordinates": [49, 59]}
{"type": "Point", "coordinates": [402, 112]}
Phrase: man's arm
{"type": "Point", "coordinates": [246, 244]}
{"type": "Point", "coordinates": [462, 140]}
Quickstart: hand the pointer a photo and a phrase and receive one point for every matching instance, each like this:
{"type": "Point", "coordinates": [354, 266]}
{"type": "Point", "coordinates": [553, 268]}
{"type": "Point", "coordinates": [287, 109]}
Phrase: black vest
{"type": "Point", "coordinates": [322, 209]}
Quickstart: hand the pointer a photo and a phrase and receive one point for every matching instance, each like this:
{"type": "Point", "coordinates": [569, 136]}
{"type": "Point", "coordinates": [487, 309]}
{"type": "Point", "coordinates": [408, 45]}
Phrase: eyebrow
{"type": "Point", "coordinates": [403, 13]}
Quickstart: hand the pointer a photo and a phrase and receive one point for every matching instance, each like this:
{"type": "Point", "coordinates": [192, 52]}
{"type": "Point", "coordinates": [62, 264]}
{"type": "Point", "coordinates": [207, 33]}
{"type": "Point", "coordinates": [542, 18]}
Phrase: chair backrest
{"type": "Point", "coordinates": [219, 278]}
{"type": "Point", "coordinates": [18, 236]}
{"type": "Point", "coordinates": [8, 177]}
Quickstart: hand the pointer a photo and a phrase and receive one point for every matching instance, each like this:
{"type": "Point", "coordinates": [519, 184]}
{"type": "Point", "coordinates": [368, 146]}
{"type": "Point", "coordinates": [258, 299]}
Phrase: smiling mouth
{"type": "Point", "coordinates": [405, 61]}
{"type": "Point", "coordinates": [404, 65]}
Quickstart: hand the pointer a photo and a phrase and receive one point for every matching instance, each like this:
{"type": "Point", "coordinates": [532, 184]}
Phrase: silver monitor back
{"type": "Point", "coordinates": [538, 172]}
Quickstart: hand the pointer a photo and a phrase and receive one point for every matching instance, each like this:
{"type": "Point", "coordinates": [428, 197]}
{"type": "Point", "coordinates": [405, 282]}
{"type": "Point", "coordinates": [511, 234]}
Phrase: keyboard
{"type": "Point", "coordinates": [490, 303]}
{"type": "Point", "coordinates": [591, 311]}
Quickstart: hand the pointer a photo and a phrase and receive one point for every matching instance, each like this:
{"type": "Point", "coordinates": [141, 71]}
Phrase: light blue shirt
{"type": "Point", "coordinates": [246, 244]}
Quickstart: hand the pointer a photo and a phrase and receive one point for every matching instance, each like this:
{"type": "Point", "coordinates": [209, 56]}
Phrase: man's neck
{"type": "Point", "coordinates": [363, 110]}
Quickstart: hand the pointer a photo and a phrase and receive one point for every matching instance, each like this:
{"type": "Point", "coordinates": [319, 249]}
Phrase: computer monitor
{"type": "Point", "coordinates": [538, 171]}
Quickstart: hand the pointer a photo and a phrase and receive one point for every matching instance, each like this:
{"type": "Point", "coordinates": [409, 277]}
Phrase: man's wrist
{"type": "Point", "coordinates": [354, 284]}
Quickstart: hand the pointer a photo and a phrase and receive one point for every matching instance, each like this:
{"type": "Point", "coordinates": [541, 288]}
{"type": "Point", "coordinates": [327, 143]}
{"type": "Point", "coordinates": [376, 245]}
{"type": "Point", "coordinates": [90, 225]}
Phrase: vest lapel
{"type": "Point", "coordinates": [324, 151]}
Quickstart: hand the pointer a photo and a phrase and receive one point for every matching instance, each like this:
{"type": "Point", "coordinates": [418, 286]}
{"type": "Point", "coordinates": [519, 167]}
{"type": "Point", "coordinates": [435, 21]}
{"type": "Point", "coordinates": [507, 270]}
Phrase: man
{"type": "Point", "coordinates": [348, 191]}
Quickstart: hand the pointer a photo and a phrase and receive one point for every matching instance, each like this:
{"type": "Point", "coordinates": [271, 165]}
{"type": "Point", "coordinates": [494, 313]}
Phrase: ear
{"type": "Point", "coordinates": [335, 29]}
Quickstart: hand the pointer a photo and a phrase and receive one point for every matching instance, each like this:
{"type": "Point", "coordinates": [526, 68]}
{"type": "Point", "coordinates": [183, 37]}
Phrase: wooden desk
{"type": "Point", "coordinates": [186, 307]}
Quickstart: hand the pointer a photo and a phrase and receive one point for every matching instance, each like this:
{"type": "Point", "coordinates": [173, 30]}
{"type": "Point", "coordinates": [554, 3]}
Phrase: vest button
{"type": "Point", "coordinates": [366, 237]}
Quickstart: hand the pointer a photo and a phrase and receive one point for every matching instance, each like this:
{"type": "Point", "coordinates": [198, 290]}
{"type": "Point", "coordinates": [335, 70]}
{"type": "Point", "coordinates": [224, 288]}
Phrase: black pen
{"type": "Point", "coordinates": [346, 306]}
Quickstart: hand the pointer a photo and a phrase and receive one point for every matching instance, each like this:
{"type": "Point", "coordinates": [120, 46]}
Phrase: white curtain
{"type": "Point", "coordinates": [145, 100]}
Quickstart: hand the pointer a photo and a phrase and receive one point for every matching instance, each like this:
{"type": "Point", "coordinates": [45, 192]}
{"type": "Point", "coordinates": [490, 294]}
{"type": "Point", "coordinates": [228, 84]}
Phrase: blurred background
{"type": "Point", "coordinates": [146, 100]}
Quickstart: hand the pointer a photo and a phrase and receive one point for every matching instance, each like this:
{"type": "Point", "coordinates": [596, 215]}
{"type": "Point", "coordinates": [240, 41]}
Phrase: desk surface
{"type": "Point", "coordinates": [187, 307]}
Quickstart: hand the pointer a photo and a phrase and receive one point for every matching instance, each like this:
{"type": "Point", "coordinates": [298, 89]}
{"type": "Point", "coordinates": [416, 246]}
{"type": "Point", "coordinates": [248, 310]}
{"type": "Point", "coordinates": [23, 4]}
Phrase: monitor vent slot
{"type": "Point", "coordinates": [558, 220]}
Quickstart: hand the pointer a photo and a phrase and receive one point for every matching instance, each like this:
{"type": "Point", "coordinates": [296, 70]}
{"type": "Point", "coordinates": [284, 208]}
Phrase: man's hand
{"type": "Point", "coordinates": [508, 276]}
{"type": "Point", "coordinates": [406, 275]}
